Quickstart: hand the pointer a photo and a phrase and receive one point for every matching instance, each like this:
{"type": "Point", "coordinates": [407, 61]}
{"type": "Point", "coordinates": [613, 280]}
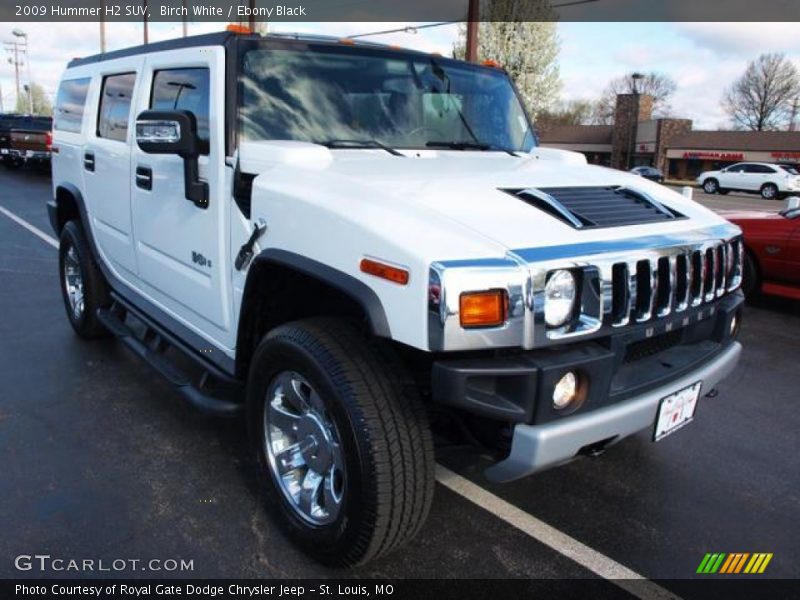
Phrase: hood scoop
{"type": "Point", "coordinates": [597, 207]}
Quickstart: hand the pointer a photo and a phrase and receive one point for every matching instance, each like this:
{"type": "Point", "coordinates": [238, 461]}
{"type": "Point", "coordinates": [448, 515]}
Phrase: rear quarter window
{"type": "Point", "coordinates": [70, 104]}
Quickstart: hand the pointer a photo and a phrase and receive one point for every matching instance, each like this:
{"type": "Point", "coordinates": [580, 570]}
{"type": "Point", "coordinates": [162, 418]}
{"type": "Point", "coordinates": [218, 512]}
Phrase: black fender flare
{"type": "Point", "coordinates": [351, 287]}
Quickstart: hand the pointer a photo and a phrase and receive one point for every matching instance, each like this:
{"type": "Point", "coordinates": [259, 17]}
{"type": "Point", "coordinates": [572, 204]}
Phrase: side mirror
{"type": "Point", "coordinates": [792, 203]}
{"type": "Point", "coordinates": [174, 132]}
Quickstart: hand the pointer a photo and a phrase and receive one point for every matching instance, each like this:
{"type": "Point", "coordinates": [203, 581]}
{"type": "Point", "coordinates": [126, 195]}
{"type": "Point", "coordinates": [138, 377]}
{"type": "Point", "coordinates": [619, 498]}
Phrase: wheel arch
{"type": "Point", "coordinates": [283, 286]}
{"type": "Point", "coordinates": [67, 205]}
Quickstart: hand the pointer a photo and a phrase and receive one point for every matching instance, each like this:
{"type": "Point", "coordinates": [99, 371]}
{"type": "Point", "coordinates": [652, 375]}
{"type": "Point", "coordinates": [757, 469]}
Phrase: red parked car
{"type": "Point", "coordinates": [772, 243]}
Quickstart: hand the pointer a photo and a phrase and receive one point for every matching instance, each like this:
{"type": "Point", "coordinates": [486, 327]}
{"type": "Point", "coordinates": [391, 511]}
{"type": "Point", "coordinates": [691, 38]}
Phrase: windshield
{"type": "Point", "coordinates": [329, 94]}
{"type": "Point", "coordinates": [789, 169]}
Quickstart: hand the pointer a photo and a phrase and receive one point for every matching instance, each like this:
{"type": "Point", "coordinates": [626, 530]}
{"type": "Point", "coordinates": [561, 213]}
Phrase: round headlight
{"type": "Point", "coordinates": [566, 391]}
{"type": "Point", "coordinates": [559, 298]}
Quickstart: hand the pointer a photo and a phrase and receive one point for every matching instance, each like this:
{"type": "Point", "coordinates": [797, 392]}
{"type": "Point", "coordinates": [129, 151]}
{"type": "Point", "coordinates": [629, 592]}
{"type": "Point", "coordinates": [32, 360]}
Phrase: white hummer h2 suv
{"type": "Point", "coordinates": [344, 236]}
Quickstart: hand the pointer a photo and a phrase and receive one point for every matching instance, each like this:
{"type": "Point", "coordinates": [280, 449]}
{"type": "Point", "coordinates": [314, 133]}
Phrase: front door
{"type": "Point", "coordinates": [182, 248]}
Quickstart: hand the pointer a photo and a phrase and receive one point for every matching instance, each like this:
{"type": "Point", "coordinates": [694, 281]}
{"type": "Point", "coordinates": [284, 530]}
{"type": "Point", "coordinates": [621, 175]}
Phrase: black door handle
{"type": "Point", "coordinates": [88, 161]}
{"type": "Point", "coordinates": [144, 178]}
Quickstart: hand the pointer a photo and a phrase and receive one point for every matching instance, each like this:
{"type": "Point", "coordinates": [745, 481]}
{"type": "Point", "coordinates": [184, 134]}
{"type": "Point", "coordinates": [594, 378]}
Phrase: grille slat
{"type": "Point", "coordinates": [656, 287]}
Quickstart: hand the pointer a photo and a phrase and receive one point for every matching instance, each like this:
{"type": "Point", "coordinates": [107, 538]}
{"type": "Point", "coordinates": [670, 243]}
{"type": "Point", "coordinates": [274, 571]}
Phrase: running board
{"type": "Point", "coordinates": [152, 347]}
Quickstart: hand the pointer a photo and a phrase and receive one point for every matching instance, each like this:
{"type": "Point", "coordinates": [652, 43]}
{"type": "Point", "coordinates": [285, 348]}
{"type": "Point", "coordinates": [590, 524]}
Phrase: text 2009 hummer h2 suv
{"type": "Point", "coordinates": [343, 236]}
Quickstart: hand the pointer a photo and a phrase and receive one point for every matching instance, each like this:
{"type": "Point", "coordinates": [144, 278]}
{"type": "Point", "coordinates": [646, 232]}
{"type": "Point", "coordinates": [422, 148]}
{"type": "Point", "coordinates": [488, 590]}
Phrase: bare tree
{"type": "Point", "coordinates": [573, 112]}
{"type": "Point", "coordinates": [762, 98]}
{"type": "Point", "coordinates": [658, 85]}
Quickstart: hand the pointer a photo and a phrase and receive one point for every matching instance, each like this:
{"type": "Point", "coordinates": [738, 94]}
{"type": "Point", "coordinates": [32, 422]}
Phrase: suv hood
{"type": "Point", "coordinates": [467, 187]}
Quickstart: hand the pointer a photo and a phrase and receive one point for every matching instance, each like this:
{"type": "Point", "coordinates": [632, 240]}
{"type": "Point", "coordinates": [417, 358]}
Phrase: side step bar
{"type": "Point", "coordinates": [152, 347]}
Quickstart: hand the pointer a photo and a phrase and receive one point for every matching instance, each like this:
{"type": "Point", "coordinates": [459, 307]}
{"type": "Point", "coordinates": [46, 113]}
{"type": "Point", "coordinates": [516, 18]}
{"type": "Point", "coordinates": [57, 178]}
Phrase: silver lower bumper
{"type": "Point", "coordinates": [537, 447]}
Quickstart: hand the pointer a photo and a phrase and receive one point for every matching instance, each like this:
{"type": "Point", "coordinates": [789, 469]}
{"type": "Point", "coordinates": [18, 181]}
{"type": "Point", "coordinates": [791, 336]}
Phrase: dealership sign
{"type": "Point", "coordinates": [714, 155]}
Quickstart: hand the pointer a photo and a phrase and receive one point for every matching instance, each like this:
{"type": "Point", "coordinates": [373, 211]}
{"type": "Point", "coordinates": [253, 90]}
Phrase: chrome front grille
{"type": "Point", "coordinates": [639, 289]}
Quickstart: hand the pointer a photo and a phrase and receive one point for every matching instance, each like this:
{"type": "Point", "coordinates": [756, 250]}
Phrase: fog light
{"type": "Point", "coordinates": [566, 391]}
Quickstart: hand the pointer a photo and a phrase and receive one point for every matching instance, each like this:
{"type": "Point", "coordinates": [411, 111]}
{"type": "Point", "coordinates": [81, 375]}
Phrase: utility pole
{"type": "Point", "coordinates": [792, 119]}
{"type": "Point", "coordinates": [184, 19]}
{"type": "Point", "coordinates": [473, 18]}
{"type": "Point", "coordinates": [16, 48]}
{"type": "Point", "coordinates": [144, 20]}
{"type": "Point", "coordinates": [251, 20]}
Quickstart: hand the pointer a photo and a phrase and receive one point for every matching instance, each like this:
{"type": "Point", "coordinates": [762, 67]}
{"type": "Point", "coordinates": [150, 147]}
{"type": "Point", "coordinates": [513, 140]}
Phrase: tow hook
{"type": "Point", "coordinates": [713, 393]}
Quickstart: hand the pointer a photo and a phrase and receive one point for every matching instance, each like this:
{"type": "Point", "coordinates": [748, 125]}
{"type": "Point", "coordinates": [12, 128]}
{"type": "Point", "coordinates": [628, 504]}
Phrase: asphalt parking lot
{"type": "Point", "coordinates": [102, 459]}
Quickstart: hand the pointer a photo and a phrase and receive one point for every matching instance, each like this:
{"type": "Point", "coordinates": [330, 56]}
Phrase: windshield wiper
{"type": "Point", "coordinates": [465, 145]}
{"type": "Point", "coordinates": [360, 144]}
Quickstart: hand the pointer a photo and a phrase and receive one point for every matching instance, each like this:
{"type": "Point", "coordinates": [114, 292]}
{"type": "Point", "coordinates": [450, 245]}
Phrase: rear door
{"type": "Point", "coordinates": [182, 248]}
{"type": "Point", "coordinates": [106, 163]}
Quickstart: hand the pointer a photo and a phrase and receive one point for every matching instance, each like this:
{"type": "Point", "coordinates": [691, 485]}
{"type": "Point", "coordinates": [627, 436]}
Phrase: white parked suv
{"type": "Point", "coordinates": [773, 182]}
{"type": "Point", "coordinates": [350, 241]}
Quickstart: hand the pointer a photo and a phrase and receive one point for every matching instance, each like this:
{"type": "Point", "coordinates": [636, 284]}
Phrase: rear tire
{"type": "Point", "coordinates": [319, 375]}
{"type": "Point", "coordinates": [83, 287]}
{"type": "Point", "coordinates": [710, 186]}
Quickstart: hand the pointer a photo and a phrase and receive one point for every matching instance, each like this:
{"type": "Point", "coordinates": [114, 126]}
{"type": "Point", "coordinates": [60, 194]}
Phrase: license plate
{"type": "Point", "coordinates": [676, 410]}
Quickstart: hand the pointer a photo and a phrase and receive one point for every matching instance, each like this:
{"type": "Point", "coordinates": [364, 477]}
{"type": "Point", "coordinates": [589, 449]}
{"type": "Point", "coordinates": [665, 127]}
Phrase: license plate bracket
{"type": "Point", "coordinates": [676, 410]}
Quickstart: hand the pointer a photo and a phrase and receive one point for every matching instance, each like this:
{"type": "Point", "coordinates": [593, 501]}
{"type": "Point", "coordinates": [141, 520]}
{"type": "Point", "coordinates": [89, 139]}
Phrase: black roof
{"type": "Point", "coordinates": [209, 39]}
{"type": "Point", "coordinates": [221, 38]}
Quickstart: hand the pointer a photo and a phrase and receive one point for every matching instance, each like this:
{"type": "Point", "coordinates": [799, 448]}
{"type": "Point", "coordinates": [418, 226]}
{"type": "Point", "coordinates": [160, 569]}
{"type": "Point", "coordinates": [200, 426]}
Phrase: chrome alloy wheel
{"type": "Point", "coordinates": [73, 283]}
{"type": "Point", "coordinates": [303, 449]}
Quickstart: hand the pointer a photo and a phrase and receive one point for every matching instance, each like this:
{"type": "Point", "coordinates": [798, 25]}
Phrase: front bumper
{"type": "Point", "coordinates": [537, 447]}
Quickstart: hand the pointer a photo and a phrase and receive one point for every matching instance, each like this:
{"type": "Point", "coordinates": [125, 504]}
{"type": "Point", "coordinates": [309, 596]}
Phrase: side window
{"type": "Point", "coordinates": [70, 102]}
{"type": "Point", "coordinates": [737, 169]}
{"type": "Point", "coordinates": [115, 106]}
{"type": "Point", "coordinates": [184, 89]}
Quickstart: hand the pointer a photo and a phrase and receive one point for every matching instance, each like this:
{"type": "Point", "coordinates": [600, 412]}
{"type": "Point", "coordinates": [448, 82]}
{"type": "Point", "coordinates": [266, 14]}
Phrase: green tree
{"type": "Point", "coordinates": [41, 103]}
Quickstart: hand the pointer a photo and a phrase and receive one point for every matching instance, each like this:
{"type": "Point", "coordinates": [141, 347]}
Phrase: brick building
{"type": "Point", "coordinates": [669, 144]}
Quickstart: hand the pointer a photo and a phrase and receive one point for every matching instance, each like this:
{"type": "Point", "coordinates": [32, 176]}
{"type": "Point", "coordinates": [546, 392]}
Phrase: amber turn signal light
{"type": "Point", "coordinates": [241, 29]}
{"type": "Point", "coordinates": [483, 309]}
{"type": "Point", "coordinates": [384, 271]}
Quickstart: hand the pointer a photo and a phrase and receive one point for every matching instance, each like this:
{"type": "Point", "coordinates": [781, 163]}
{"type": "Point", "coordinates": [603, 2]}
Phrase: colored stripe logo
{"type": "Point", "coordinates": [734, 563]}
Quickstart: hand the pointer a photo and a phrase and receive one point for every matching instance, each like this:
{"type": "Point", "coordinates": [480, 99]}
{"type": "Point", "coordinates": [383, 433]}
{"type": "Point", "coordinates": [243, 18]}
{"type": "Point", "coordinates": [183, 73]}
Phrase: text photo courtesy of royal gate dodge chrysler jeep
{"type": "Point", "coordinates": [324, 307]}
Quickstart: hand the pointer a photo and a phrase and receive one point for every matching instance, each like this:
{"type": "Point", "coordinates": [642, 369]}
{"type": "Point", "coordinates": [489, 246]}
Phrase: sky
{"type": "Point", "coordinates": [703, 58]}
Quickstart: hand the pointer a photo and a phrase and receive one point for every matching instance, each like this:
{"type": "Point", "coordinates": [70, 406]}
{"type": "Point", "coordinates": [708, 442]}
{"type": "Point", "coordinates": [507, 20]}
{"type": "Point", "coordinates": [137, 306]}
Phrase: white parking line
{"type": "Point", "coordinates": [34, 230]}
{"type": "Point", "coordinates": [590, 559]}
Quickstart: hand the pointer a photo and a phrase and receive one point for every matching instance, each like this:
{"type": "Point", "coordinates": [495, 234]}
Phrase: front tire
{"type": "Point", "coordinates": [342, 441]}
{"type": "Point", "coordinates": [750, 278]}
{"type": "Point", "coordinates": [83, 287]}
{"type": "Point", "coordinates": [710, 186]}
{"type": "Point", "coordinates": [769, 191]}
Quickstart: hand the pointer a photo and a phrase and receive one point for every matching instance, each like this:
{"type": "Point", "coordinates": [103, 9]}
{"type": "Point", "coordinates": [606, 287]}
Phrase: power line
{"type": "Point", "coordinates": [408, 29]}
